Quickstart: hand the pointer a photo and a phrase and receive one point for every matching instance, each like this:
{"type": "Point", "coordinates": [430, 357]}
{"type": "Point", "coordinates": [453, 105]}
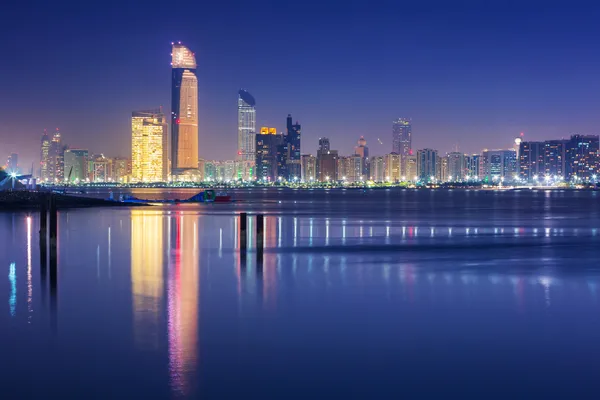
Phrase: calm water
{"type": "Point", "coordinates": [383, 294]}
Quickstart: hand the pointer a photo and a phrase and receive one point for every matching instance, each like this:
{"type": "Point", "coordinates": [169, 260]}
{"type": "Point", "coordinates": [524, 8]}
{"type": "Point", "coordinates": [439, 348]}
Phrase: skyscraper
{"type": "Point", "coordinates": [309, 168]}
{"type": "Point", "coordinates": [246, 126]}
{"type": "Point", "coordinates": [402, 136]}
{"type": "Point", "coordinates": [456, 166]}
{"type": "Point", "coordinates": [149, 143]}
{"type": "Point", "coordinates": [393, 170]}
{"type": "Point", "coordinates": [531, 160]}
{"type": "Point", "coordinates": [44, 156]}
{"type": "Point", "coordinates": [363, 151]}
{"type": "Point", "coordinates": [267, 143]}
{"type": "Point", "coordinates": [499, 164]}
{"type": "Point", "coordinates": [184, 112]}
{"type": "Point", "coordinates": [324, 147]}
{"type": "Point", "coordinates": [76, 165]}
{"type": "Point", "coordinates": [55, 166]}
{"type": "Point", "coordinates": [582, 157]}
{"type": "Point", "coordinates": [427, 165]}
{"type": "Point", "coordinates": [293, 140]}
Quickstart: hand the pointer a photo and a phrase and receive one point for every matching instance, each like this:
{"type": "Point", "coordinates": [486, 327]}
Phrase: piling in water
{"type": "Point", "coordinates": [260, 232]}
{"type": "Point", "coordinates": [43, 237]}
{"type": "Point", "coordinates": [243, 232]}
{"type": "Point", "coordinates": [53, 234]}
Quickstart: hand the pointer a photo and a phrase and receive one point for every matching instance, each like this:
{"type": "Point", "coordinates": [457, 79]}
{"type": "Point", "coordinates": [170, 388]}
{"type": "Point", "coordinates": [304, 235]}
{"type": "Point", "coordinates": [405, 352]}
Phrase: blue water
{"type": "Point", "coordinates": [377, 294]}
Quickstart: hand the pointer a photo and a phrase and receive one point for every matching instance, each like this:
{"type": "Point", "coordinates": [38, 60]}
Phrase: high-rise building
{"type": "Point", "coordinates": [45, 157]}
{"type": "Point", "coordinates": [149, 144]}
{"type": "Point", "coordinates": [377, 169]}
{"type": "Point", "coordinates": [472, 168]}
{"type": "Point", "coordinates": [350, 169]}
{"type": "Point", "coordinates": [363, 151]}
{"type": "Point", "coordinates": [293, 140]}
{"type": "Point", "coordinates": [184, 113]}
{"type": "Point", "coordinates": [245, 169]}
{"type": "Point", "coordinates": [498, 165]}
{"type": "Point", "coordinates": [12, 165]}
{"type": "Point", "coordinates": [402, 136]}
{"type": "Point", "coordinates": [327, 162]}
{"type": "Point", "coordinates": [456, 166]}
{"type": "Point", "coordinates": [555, 158]}
{"type": "Point", "coordinates": [393, 171]}
{"type": "Point", "coordinates": [267, 144]}
{"type": "Point", "coordinates": [55, 166]}
{"type": "Point", "coordinates": [76, 165]}
{"type": "Point", "coordinates": [246, 126]}
{"type": "Point", "coordinates": [427, 165]}
{"type": "Point", "coordinates": [309, 168]}
{"type": "Point", "coordinates": [531, 160]}
{"type": "Point", "coordinates": [409, 167]}
{"type": "Point", "coordinates": [122, 168]}
{"type": "Point", "coordinates": [100, 169]}
{"type": "Point", "coordinates": [442, 169]}
{"type": "Point", "coordinates": [324, 147]}
{"type": "Point", "coordinates": [582, 157]}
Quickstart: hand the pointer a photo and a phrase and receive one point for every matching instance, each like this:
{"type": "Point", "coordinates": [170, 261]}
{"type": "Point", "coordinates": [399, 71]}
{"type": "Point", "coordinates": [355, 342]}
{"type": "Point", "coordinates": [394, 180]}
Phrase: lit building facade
{"type": "Point", "coordinates": [246, 126]}
{"type": "Point", "coordinates": [55, 168]}
{"type": "Point", "coordinates": [293, 141]}
{"type": "Point", "coordinates": [582, 157]}
{"type": "Point", "coordinates": [427, 165]}
{"type": "Point", "coordinates": [327, 162]}
{"type": "Point", "coordinates": [498, 165]}
{"type": "Point", "coordinates": [409, 170]}
{"type": "Point", "coordinates": [12, 164]}
{"type": "Point", "coordinates": [377, 169]}
{"type": "Point", "coordinates": [402, 136]}
{"type": "Point", "coordinates": [149, 143]}
{"type": "Point", "coordinates": [45, 157]}
{"type": "Point", "coordinates": [76, 165]}
{"type": "Point", "coordinates": [184, 113]}
{"type": "Point", "coordinates": [555, 158]}
{"type": "Point", "coordinates": [309, 168]}
{"type": "Point", "coordinates": [122, 169]}
{"type": "Point", "coordinates": [267, 144]}
{"type": "Point", "coordinates": [363, 151]}
{"type": "Point", "coordinates": [531, 160]}
{"type": "Point", "coordinates": [457, 166]}
{"type": "Point", "coordinates": [393, 171]}
{"type": "Point", "coordinates": [100, 169]}
{"type": "Point", "coordinates": [473, 170]}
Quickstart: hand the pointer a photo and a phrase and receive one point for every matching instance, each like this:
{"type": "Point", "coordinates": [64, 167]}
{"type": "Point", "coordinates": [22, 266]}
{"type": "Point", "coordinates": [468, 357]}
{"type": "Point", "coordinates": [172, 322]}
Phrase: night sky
{"type": "Point", "coordinates": [470, 74]}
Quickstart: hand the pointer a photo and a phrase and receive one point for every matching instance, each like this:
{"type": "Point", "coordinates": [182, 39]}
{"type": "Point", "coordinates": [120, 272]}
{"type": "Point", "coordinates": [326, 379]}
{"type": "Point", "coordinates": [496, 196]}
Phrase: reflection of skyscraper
{"type": "Point", "coordinates": [146, 276]}
{"type": "Point", "coordinates": [44, 156]}
{"type": "Point", "coordinates": [184, 111]}
{"type": "Point", "coordinates": [149, 160]}
{"type": "Point", "coordinates": [183, 303]}
{"type": "Point", "coordinates": [246, 126]}
{"type": "Point", "coordinates": [402, 136]}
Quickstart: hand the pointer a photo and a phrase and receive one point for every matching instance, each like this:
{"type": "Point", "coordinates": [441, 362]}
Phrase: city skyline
{"type": "Point", "coordinates": [487, 93]}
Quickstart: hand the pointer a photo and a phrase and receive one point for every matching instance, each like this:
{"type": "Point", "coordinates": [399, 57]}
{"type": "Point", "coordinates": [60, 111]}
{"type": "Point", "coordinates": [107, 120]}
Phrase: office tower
{"type": "Point", "coordinates": [100, 169]}
{"type": "Point", "coordinates": [351, 168]}
{"type": "Point", "coordinates": [309, 168]}
{"type": "Point", "coordinates": [457, 166]}
{"type": "Point", "coordinates": [472, 166]}
{"type": "Point", "coordinates": [363, 151]}
{"type": "Point", "coordinates": [582, 157]}
{"type": "Point", "coordinates": [245, 168]}
{"type": "Point", "coordinates": [377, 169]}
{"type": "Point", "coordinates": [324, 144]}
{"type": "Point", "coordinates": [293, 141]}
{"type": "Point", "coordinates": [122, 167]}
{"type": "Point", "coordinates": [45, 157]}
{"type": "Point", "coordinates": [324, 147]}
{"type": "Point", "coordinates": [498, 165]}
{"type": "Point", "coordinates": [184, 113]}
{"type": "Point", "coordinates": [409, 168]}
{"type": "Point", "coordinates": [517, 146]}
{"type": "Point", "coordinates": [267, 144]}
{"type": "Point", "coordinates": [246, 126]}
{"type": "Point", "coordinates": [55, 166]}
{"type": "Point", "coordinates": [327, 162]}
{"type": "Point", "coordinates": [427, 165]}
{"type": "Point", "coordinates": [210, 171]}
{"type": "Point", "coordinates": [442, 169]}
{"type": "Point", "coordinates": [555, 159]}
{"type": "Point", "coordinates": [12, 165]}
{"type": "Point", "coordinates": [282, 159]}
{"type": "Point", "coordinates": [149, 144]}
{"type": "Point", "coordinates": [402, 136]}
{"type": "Point", "coordinates": [76, 165]}
{"type": "Point", "coordinates": [531, 160]}
{"type": "Point", "coordinates": [393, 170]}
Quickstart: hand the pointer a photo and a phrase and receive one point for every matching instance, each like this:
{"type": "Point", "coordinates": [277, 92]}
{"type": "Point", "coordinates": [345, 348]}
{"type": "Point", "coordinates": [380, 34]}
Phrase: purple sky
{"type": "Point", "coordinates": [471, 75]}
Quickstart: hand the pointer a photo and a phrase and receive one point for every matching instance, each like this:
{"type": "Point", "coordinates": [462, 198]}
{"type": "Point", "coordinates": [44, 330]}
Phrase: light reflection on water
{"type": "Point", "coordinates": [167, 294]}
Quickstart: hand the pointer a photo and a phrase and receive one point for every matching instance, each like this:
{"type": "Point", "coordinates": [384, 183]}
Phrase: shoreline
{"type": "Point", "coordinates": [23, 200]}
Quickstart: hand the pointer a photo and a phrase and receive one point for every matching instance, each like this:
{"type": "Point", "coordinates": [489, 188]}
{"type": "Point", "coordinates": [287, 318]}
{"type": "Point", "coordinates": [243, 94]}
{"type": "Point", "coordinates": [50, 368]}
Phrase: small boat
{"type": "Point", "coordinates": [206, 196]}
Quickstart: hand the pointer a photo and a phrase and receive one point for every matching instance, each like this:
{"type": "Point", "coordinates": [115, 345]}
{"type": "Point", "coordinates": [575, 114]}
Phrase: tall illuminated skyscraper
{"type": "Point", "coordinates": [246, 126]}
{"type": "Point", "coordinates": [149, 160]}
{"type": "Point", "coordinates": [402, 136]}
{"type": "Point", "coordinates": [184, 111]}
